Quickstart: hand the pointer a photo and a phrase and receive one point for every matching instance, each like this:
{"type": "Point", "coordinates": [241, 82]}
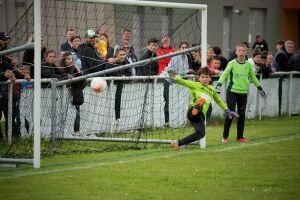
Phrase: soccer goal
{"type": "Point", "coordinates": [136, 115]}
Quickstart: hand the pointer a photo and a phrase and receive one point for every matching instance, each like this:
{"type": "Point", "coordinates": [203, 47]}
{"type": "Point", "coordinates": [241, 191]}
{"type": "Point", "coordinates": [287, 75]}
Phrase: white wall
{"type": "Point", "coordinates": [97, 113]}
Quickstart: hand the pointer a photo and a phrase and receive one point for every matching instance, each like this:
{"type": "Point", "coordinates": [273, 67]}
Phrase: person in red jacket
{"type": "Point", "coordinates": [164, 49]}
{"type": "Point", "coordinates": [162, 64]}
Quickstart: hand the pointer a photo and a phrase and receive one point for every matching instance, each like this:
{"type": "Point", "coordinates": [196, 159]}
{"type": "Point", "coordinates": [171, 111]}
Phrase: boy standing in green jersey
{"type": "Point", "coordinates": [238, 74]}
{"type": "Point", "coordinates": [201, 96]}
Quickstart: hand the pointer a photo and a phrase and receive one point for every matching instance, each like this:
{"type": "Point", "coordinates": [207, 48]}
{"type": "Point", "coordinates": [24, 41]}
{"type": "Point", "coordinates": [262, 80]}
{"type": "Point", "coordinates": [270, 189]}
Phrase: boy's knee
{"type": "Point", "coordinates": [200, 134]}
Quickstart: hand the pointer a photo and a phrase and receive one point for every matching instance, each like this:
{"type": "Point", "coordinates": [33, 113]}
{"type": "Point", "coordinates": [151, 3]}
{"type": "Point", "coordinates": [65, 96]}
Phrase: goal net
{"type": "Point", "coordinates": [131, 111]}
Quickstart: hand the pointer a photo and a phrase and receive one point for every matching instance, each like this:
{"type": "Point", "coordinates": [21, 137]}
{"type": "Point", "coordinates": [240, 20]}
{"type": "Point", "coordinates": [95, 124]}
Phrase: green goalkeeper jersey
{"type": "Point", "coordinates": [238, 75]}
{"type": "Point", "coordinates": [197, 91]}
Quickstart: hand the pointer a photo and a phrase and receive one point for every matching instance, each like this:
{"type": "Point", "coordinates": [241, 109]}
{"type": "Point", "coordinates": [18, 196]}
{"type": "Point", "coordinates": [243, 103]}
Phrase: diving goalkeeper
{"type": "Point", "coordinates": [201, 96]}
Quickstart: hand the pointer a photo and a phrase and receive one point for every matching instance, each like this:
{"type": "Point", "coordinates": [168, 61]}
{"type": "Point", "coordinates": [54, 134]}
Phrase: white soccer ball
{"type": "Point", "coordinates": [98, 84]}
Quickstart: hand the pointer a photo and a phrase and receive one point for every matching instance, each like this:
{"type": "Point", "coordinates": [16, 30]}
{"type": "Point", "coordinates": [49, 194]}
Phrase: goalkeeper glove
{"type": "Point", "coordinates": [261, 91]}
{"type": "Point", "coordinates": [172, 74]}
{"type": "Point", "coordinates": [218, 88]}
{"type": "Point", "coordinates": [231, 114]}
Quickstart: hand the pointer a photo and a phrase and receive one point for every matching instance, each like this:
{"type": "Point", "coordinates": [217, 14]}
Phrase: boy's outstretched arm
{"type": "Point", "coordinates": [172, 74]}
{"type": "Point", "coordinates": [187, 83]}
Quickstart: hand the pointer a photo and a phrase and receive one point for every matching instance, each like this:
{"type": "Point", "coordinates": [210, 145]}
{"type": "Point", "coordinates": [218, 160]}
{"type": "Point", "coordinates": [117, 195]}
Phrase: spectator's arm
{"type": "Point", "coordinates": [94, 64]}
{"type": "Point", "coordinates": [48, 73]}
{"type": "Point", "coordinates": [282, 62]}
{"type": "Point", "coordinates": [18, 74]}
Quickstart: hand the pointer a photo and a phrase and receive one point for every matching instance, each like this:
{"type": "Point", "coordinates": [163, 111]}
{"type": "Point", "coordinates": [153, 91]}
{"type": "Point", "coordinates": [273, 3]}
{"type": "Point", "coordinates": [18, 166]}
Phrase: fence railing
{"type": "Point", "coordinates": [282, 98]}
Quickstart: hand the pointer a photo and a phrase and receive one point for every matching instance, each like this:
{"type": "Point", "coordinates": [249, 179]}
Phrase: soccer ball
{"type": "Point", "coordinates": [98, 84]}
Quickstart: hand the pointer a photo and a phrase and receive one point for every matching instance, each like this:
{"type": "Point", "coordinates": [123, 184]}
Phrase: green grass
{"type": "Point", "coordinates": [266, 168]}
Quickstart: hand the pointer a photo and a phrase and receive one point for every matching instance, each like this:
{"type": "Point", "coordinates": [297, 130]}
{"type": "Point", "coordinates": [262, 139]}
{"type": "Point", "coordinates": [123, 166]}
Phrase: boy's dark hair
{"type": "Point", "coordinates": [264, 54]}
{"type": "Point", "coordinates": [255, 53]}
{"type": "Point", "coordinates": [119, 49]}
{"type": "Point", "coordinates": [152, 40]}
{"type": "Point", "coordinates": [204, 70]}
{"type": "Point", "coordinates": [280, 42]}
{"type": "Point", "coordinates": [217, 50]}
{"type": "Point", "coordinates": [48, 52]}
{"type": "Point", "coordinates": [70, 29]}
{"type": "Point", "coordinates": [182, 43]}
{"type": "Point", "coordinates": [246, 44]}
{"type": "Point", "coordinates": [258, 36]}
{"type": "Point", "coordinates": [75, 37]}
{"type": "Point", "coordinates": [216, 58]}
{"type": "Point", "coordinates": [126, 30]}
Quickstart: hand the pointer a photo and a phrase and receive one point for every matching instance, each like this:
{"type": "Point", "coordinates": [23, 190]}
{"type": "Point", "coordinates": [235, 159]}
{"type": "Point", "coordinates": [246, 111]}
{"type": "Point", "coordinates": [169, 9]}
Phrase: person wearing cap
{"type": "Point", "coordinates": [91, 62]}
{"type": "Point", "coordinates": [4, 74]}
{"type": "Point", "coordinates": [4, 40]}
{"type": "Point", "coordinates": [8, 71]}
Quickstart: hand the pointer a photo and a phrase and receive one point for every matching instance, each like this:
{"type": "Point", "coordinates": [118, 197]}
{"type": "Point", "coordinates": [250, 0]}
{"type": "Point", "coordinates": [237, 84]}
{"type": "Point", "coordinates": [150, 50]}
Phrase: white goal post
{"type": "Point", "coordinates": [37, 57]}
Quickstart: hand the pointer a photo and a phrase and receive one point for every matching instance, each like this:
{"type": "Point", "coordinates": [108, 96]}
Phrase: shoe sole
{"type": "Point", "coordinates": [175, 147]}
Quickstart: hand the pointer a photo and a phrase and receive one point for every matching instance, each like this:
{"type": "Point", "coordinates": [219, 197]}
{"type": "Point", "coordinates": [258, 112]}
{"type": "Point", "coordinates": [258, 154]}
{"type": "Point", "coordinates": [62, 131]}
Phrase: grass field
{"type": "Point", "coordinates": [268, 167]}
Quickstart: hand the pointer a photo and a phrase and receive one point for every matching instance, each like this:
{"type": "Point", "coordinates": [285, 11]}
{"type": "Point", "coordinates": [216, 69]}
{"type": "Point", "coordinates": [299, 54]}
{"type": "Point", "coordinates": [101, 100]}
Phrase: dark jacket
{"type": "Point", "coordinates": [28, 59]}
{"type": "Point", "coordinates": [5, 64]}
{"type": "Point", "coordinates": [51, 71]}
{"type": "Point", "coordinates": [263, 45]}
{"type": "Point", "coordinates": [2, 77]}
{"type": "Point", "coordinates": [124, 72]}
{"type": "Point", "coordinates": [91, 62]}
{"type": "Point", "coordinates": [149, 69]}
{"type": "Point", "coordinates": [193, 64]}
{"type": "Point", "coordinates": [265, 70]}
{"type": "Point", "coordinates": [296, 58]}
{"type": "Point", "coordinates": [110, 52]}
{"type": "Point", "coordinates": [65, 47]}
{"type": "Point", "coordinates": [76, 87]}
{"type": "Point", "coordinates": [283, 61]}
{"type": "Point", "coordinates": [224, 63]}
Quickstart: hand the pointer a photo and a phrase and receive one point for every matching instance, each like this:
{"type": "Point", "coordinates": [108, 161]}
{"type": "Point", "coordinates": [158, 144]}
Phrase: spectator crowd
{"type": "Point", "coordinates": [94, 52]}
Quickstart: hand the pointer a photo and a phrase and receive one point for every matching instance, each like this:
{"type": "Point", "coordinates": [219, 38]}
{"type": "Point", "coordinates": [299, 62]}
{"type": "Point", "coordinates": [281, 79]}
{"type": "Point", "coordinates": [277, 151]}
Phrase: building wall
{"type": "Point", "coordinates": [239, 31]}
{"type": "Point", "coordinates": [290, 17]}
{"type": "Point", "coordinates": [11, 11]}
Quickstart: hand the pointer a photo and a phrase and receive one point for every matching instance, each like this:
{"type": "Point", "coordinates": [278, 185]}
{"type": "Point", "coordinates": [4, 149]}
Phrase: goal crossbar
{"type": "Point", "coordinates": [147, 4]}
